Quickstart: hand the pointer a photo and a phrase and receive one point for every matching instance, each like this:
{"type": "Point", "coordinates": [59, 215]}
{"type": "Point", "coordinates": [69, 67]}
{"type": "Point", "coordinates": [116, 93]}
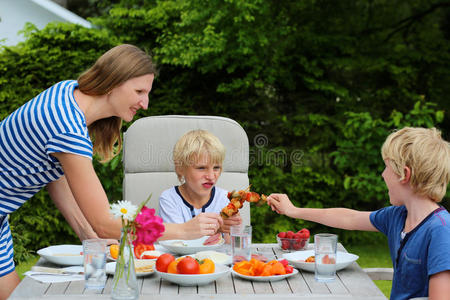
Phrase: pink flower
{"type": "Point", "coordinates": [149, 227]}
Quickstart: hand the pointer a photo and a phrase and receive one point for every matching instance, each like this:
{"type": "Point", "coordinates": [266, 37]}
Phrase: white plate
{"type": "Point", "coordinates": [343, 259]}
{"type": "Point", "coordinates": [265, 278]}
{"type": "Point", "coordinates": [157, 248]}
{"type": "Point", "coordinates": [185, 247]}
{"type": "Point", "coordinates": [196, 279]}
{"type": "Point", "coordinates": [67, 255]}
{"type": "Point", "coordinates": [111, 267]}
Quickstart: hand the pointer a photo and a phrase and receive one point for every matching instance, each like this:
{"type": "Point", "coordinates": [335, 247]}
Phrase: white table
{"type": "Point", "coordinates": [350, 283]}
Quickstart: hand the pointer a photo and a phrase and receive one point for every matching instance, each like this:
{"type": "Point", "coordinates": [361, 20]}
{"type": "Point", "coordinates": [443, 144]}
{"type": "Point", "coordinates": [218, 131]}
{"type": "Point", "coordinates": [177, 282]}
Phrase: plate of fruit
{"type": "Point", "coordinates": [305, 260]}
{"type": "Point", "coordinates": [187, 271]}
{"type": "Point", "coordinates": [257, 270]}
{"type": "Point", "coordinates": [291, 240]}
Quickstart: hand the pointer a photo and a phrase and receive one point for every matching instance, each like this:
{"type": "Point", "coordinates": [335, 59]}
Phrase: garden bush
{"type": "Point", "coordinates": [317, 86]}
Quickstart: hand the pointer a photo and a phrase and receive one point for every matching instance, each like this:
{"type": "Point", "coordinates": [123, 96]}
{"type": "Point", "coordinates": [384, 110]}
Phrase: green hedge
{"type": "Point", "coordinates": [316, 96]}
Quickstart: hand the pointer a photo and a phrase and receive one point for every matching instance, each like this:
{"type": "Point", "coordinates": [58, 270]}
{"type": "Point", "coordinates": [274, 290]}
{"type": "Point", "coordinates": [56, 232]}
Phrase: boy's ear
{"type": "Point", "coordinates": [407, 177]}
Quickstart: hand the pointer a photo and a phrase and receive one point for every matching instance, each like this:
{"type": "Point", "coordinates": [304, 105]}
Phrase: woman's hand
{"type": "Point", "coordinates": [202, 224]}
{"type": "Point", "coordinates": [281, 204]}
{"type": "Point", "coordinates": [230, 221]}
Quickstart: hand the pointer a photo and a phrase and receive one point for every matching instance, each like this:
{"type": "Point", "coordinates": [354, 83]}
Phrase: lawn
{"type": "Point", "coordinates": [370, 256]}
{"type": "Point", "coordinates": [374, 256]}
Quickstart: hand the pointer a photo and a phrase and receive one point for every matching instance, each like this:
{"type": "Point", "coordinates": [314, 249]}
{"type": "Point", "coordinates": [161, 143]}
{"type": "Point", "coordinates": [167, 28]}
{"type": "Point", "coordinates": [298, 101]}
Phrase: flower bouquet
{"type": "Point", "coordinates": [139, 224]}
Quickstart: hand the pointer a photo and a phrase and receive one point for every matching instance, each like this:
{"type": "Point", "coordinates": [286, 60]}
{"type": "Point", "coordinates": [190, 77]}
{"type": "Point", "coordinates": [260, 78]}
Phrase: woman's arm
{"type": "Point", "coordinates": [439, 286]}
{"type": "Point", "coordinates": [344, 218]}
{"type": "Point", "coordinates": [88, 194]}
{"type": "Point", "coordinates": [62, 197]}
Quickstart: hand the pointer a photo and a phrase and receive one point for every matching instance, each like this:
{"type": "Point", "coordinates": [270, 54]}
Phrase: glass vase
{"type": "Point", "coordinates": [124, 284]}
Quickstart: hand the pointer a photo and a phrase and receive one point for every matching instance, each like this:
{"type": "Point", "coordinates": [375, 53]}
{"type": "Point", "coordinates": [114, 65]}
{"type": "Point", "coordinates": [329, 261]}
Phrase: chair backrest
{"type": "Point", "coordinates": [147, 155]}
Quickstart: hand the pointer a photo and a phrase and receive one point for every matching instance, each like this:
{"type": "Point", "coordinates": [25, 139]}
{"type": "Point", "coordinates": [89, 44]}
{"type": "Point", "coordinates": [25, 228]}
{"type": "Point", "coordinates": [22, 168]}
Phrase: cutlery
{"type": "Point", "coordinates": [53, 271]}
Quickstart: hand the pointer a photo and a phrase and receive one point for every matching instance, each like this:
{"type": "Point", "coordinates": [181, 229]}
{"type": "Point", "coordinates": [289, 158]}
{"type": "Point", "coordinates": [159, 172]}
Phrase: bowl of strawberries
{"type": "Point", "coordinates": [291, 240]}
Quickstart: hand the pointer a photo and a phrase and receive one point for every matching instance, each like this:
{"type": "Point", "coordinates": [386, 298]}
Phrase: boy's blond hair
{"type": "Point", "coordinates": [427, 155]}
{"type": "Point", "coordinates": [192, 145]}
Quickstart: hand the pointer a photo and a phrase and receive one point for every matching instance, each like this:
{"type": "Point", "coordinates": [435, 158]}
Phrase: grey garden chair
{"type": "Point", "coordinates": [147, 155]}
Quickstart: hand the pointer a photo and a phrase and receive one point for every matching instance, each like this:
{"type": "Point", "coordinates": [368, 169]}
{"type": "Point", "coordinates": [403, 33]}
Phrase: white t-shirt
{"type": "Point", "coordinates": [173, 208]}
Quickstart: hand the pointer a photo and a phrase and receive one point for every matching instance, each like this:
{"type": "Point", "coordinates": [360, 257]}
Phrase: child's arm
{"type": "Point", "coordinates": [334, 217]}
{"type": "Point", "coordinates": [439, 286]}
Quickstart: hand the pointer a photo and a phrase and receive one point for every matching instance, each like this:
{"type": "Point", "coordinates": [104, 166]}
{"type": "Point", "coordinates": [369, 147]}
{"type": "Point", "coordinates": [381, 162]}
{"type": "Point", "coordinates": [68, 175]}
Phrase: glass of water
{"type": "Point", "coordinates": [94, 252]}
{"type": "Point", "coordinates": [325, 245]}
{"type": "Point", "coordinates": [241, 241]}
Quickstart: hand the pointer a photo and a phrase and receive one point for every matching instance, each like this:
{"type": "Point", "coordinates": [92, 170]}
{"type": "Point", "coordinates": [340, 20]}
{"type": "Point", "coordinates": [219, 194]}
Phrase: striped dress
{"type": "Point", "coordinates": [51, 122]}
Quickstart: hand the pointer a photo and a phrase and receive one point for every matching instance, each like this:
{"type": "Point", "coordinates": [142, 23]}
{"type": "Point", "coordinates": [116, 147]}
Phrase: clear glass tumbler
{"type": "Point", "coordinates": [241, 241]}
{"type": "Point", "coordinates": [325, 245]}
{"type": "Point", "coordinates": [94, 252]}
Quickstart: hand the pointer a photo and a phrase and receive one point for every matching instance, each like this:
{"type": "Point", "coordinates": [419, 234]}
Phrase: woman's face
{"type": "Point", "coordinates": [127, 98]}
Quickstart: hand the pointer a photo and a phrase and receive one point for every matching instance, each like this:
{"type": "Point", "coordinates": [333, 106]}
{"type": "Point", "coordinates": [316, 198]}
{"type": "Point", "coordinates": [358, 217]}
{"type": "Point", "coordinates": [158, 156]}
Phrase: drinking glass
{"type": "Point", "coordinates": [94, 252]}
{"type": "Point", "coordinates": [325, 245]}
{"type": "Point", "coordinates": [241, 240]}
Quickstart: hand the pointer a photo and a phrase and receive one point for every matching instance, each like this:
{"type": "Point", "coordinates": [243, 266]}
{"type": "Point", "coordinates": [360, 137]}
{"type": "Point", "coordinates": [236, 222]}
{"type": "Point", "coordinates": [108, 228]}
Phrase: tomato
{"type": "Point", "coordinates": [289, 269]}
{"type": "Point", "coordinates": [140, 247]}
{"type": "Point", "coordinates": [206, 266]}
{"type": "Point", "coordinates": [188, 265]}
{"type": "Point", "coordinates": [162, 263]}
{"type": "Point", "coordinates": [172, 268]}
{"type": "Point", "coordinates": [114, 251]}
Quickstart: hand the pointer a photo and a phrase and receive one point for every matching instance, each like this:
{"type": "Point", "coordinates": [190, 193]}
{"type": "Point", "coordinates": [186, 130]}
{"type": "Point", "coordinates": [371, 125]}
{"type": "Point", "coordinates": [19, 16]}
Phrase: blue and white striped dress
{"type": "Point", "coordinates": [51, 122]}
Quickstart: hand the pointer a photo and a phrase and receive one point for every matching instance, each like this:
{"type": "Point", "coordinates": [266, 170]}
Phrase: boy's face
{"type": "Point", "coordinates": [393, 184]}
{"type": "Point", "coordinates": [201, 176]}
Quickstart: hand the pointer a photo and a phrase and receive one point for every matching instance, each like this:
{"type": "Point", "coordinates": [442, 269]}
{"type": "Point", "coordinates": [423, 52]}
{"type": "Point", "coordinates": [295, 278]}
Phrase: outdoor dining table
{"type": "Point", "coordinates": [351, 283]}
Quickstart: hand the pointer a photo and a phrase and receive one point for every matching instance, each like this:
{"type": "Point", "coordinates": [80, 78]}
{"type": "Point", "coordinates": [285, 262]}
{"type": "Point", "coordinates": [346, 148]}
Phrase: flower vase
{"type": "Point", "coordinates": [124, 285]}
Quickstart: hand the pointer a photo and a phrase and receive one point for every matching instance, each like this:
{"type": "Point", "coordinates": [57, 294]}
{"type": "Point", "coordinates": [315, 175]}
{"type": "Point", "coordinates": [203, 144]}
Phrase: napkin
{"type": "Point", "coordinates": [53, 278]}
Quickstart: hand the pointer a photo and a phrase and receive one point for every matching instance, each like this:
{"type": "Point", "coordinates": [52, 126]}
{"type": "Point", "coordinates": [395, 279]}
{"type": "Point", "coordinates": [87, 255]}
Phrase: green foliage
{"type": "Point", "coordinates": [323, 82]}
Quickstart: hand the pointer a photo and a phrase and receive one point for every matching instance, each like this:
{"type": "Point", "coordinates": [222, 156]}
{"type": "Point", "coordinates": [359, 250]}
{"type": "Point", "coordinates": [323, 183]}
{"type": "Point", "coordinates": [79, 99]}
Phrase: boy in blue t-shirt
{"type": "Point", "coordinates": [418, 228]}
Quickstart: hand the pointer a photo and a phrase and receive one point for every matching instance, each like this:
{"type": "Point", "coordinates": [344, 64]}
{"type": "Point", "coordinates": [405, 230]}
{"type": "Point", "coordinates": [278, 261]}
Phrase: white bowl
{"type": "Point", "coordinates": [185, 247]}
{"type": "Point", "coordinates": [195, 279]}
{"type": "Point", "coordinates": [297, 259]}
{"type": "Point", "coordinates": [67, 255]}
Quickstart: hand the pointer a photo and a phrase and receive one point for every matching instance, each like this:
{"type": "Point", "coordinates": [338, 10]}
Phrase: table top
{"type": "Point", "coordinates": [350, 283]}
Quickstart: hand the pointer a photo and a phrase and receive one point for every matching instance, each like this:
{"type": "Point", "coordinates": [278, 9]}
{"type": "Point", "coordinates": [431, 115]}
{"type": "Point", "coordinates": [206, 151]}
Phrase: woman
{"type": "Point", "coordinates": [50, 140]}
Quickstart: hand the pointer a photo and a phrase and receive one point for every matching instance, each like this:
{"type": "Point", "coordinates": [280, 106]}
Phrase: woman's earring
{"type": "Point", "coordinates": [182, 180]}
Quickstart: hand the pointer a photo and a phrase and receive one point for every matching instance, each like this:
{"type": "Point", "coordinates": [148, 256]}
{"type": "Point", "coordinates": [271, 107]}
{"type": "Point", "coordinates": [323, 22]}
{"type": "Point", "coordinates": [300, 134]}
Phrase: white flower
{"type": "Point", "coordinates": [124, 209]}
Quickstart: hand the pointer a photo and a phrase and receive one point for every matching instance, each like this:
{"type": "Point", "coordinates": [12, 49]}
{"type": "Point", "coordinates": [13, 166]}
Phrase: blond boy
{"type": "Point", "coordinates": [418, 229]}
{"type": "Point", "coordinates": [198, 157]}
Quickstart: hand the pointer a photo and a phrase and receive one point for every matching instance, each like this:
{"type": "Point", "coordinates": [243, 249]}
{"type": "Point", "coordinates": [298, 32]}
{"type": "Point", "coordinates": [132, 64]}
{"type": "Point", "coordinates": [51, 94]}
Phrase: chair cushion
{"type": "Point", "coordinates": [143, 154]}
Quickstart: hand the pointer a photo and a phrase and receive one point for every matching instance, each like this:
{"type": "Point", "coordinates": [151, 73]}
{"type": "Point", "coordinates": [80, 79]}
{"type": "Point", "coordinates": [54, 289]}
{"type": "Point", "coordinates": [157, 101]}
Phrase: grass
{"type": "Point", "coordinates": [374, 256]}
{"type": "Point", "coordinates": [26, 266]}
{"type": "Point", "coordinates": [370, 256]}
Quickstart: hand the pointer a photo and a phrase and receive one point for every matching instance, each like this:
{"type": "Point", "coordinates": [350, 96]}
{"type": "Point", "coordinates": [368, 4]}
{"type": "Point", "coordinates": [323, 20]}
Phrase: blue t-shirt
{"type": "Point", "coordinates": [424, 251]}
{"type": "Point", "coordinates": [173, 208]}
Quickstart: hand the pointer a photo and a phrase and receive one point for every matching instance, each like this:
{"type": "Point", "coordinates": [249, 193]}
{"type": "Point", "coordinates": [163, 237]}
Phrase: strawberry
{"type": "Point", "coordinates": [289, 234]}
{"type": "Point", "coordinates": [282, 235]}
{"type": "Point", "coordinates": [285, 244]}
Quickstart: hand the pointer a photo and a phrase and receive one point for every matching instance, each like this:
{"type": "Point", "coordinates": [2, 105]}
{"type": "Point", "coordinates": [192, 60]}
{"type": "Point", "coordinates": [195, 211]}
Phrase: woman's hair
{"type": "Point", "coordinates": [427, 155]}
{"type": "Point", "coordinates": [194, 144]}
{"type": "Point", "coordinates": [112, 69]}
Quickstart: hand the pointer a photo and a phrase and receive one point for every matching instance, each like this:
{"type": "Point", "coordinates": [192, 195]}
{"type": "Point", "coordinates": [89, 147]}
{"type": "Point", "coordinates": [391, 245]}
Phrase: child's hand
{"type": "Point", "coordinates": [230, 221]}
{"type": "Point", "coordinates": [203, 224]}
{"type": "Point", "coordinates": [280, 203]}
